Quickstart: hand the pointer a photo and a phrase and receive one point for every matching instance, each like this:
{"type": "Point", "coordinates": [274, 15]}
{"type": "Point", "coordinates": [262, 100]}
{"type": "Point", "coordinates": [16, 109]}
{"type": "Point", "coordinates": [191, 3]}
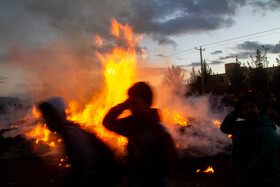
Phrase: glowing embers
{"type": "Point", "coordinates": [208, 170]}
{"type": "Point", "coordinates": [216, 123]}
{"type": "Point", "coordinates": [174, 118]}
{"type": "Point", "coordinates": [42, 135]}
{"type": "Point", "coordinates": [179, 119]}
{"type": "Point", "coordinates": [64, 162]}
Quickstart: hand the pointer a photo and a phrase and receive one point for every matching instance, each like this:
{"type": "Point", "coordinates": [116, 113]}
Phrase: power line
{"type": "Point", "coordinates": [241, 37]}
{"type": "Point", "coordinates": [180, 52]}
{"type": "Point", "coordinates": [243, 40]}
{"type": "Point", "coordinates": [160, 58]}
{"type": "Point", "coordinates": [219, 42]}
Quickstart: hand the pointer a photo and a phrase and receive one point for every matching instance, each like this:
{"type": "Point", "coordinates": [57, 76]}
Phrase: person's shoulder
{"type": "Point", "coordinates": [266, 121]}
{"type": "Point", "coordinates": [70, 127]}
{"type": "Point", "coordinates": [162, 126]}
{"type": "Point", "coordinates": [268, 127]}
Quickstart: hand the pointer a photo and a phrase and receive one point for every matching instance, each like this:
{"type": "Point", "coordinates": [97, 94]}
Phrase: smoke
{"type": "Point", "coordinates": [57, 70]}
{"type": "Point", "coordinates": [62, 71]}
{"type": "Point", "coordinates": [201, 137]}
{"type": "Point", "coordinates": [74, 73]}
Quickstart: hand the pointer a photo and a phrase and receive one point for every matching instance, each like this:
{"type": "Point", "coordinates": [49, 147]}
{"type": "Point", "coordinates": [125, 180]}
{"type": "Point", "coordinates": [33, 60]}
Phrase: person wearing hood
{"type": "Point", "coordinates": [255, 143]}
{"type": "Point", "coordinates": [150, 147]}
{"type": "Point", "coordinates": [91, 160]}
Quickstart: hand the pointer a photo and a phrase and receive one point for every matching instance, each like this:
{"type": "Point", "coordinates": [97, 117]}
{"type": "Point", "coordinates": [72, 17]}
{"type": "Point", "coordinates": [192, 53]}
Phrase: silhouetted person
{"type": "Point", "coordinates": [92, 163]}
{"type": "Point", "coordinates": [150, 147]}
{"type": "Point", "coordinates": [270, 107]}
{"type": "Point", "coordinates": [255, 143]}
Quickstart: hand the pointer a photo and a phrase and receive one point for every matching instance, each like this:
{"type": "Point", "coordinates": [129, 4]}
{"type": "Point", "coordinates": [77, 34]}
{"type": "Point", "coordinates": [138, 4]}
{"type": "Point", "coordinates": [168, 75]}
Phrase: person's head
{"type": "Point", "coordinates": [250, 105]}
{"type": "Point", "coordinates": [270, 99]}
{"type": "Point", "coordinates": [53, 111]}
{"type": "Point", "coordinates": [140, 98]}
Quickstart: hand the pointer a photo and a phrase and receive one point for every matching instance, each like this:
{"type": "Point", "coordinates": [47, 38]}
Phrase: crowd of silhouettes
{"type": "Point", "coordinates": [151, 150]}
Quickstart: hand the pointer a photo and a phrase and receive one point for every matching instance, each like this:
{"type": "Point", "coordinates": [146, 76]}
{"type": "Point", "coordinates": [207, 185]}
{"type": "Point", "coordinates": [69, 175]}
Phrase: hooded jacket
{"type": "Point", "coordinates": [255, 146]}
{"type": "Point", "coordinates": [92, 163]}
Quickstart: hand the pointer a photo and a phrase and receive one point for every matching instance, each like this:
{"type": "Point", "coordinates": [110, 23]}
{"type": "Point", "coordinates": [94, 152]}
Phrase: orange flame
{"type": "Point", "coordinates": [174, 118]}
{"type": "Point", "coordinates": [120, 74]}
{"type": "Point", "coordinates": [217, 123]}
{"type": "Point", "coordinates": [35, 113]}
{"type": "Point", "coordinates": [98, 41]}
{"type": "Point", "coordinates": [41, 133]}
{"type": "Point", "coordinates": [179, 119]}
{"type": "Point", "coordinates": [127, 33]}
{"type": "Point", "coordinates": [209, 170]}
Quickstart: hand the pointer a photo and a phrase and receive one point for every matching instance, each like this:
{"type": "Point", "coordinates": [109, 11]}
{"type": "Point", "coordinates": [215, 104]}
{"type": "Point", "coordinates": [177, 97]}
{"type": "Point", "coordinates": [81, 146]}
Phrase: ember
{"type": "Point", "coordinates": [217, 123]}
{"type": "Point", "coordinates": [209, 170]}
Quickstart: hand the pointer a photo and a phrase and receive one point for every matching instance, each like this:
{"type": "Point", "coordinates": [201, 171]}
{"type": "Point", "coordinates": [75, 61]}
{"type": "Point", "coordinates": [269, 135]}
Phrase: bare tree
{"type": "Point", "coordinates": [174, 78]}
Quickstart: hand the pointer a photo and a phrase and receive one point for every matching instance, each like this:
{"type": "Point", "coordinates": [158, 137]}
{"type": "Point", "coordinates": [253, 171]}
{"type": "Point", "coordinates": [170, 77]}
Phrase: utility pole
{"type": "Point", "coordinates": [202, 69]}
{"type": "Point", "coordinates": [265, 52]}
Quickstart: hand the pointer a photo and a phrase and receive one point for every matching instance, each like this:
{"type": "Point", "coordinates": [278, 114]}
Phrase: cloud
{"type": "Point", "coordinates": [36, 23]}
{"type": "Point", "coordinates": [163, 40]}
{"type": "Point", "coordinates": [241, 55]}
{"type": "Point", "coordinates": [253, 46]}
{"type": "Point", "coordinates": [161, 55]}
{"type": "Point", "coordinates": [217, 52]}
{"type": "Point", "coordinates": [169, 17]}
{"type": "Point", "coordinates": [180, 58]}
{"type": "Point", "coordinates": [195, 64]}
{"type": "Point", "coordinates": [33, 23]}
{"type": "Point", "coordinates": [198, 64]}
{"type": "Point", "coordinates": [266, 4]}
{"type": "Point", "coordinates": [227, 57]}
{"type": "Point", "coordinates": [249, 46]}
{"type": "Point", "coordinates": [215, 62]}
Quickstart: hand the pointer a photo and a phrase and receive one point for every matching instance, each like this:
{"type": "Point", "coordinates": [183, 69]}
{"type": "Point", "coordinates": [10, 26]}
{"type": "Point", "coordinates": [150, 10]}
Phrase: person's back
{"type": "Point", "coordinates": [92, 163]}
{"type": "Point", "coordinates": [255, 143]}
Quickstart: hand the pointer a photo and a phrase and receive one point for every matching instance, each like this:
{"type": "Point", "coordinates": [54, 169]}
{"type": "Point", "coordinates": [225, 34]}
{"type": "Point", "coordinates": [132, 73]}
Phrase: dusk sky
{"type": "Point", "coordinates": [171, 30]}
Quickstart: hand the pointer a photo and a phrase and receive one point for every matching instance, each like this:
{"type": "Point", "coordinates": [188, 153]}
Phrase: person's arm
{"type": "Point", "coordinates": [269, 143]}
{"type": "Point", "coordinates": [229, 122]}
{"type": "Point", "coordinates": [111, 122]}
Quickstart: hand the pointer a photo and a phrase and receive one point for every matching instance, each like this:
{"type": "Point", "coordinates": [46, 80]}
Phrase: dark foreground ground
{"type": "Point", "coordinates": [45, 172]}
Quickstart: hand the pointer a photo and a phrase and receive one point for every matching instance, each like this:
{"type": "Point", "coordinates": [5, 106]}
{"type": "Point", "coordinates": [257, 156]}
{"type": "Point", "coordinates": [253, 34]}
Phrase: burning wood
{"type": "Point", "coordinates": [209, 170]}
{"type": "Point", "coordinates": [120, 73]}
{"type": "Point", "coordinates": [217, 123]}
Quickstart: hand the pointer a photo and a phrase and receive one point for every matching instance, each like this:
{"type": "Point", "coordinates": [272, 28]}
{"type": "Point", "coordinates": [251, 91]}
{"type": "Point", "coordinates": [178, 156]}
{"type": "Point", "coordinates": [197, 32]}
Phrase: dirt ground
{"type": "Point", "coordinates": [43, 172]}
{"type": "Point", "coordinates": [46, 173]}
